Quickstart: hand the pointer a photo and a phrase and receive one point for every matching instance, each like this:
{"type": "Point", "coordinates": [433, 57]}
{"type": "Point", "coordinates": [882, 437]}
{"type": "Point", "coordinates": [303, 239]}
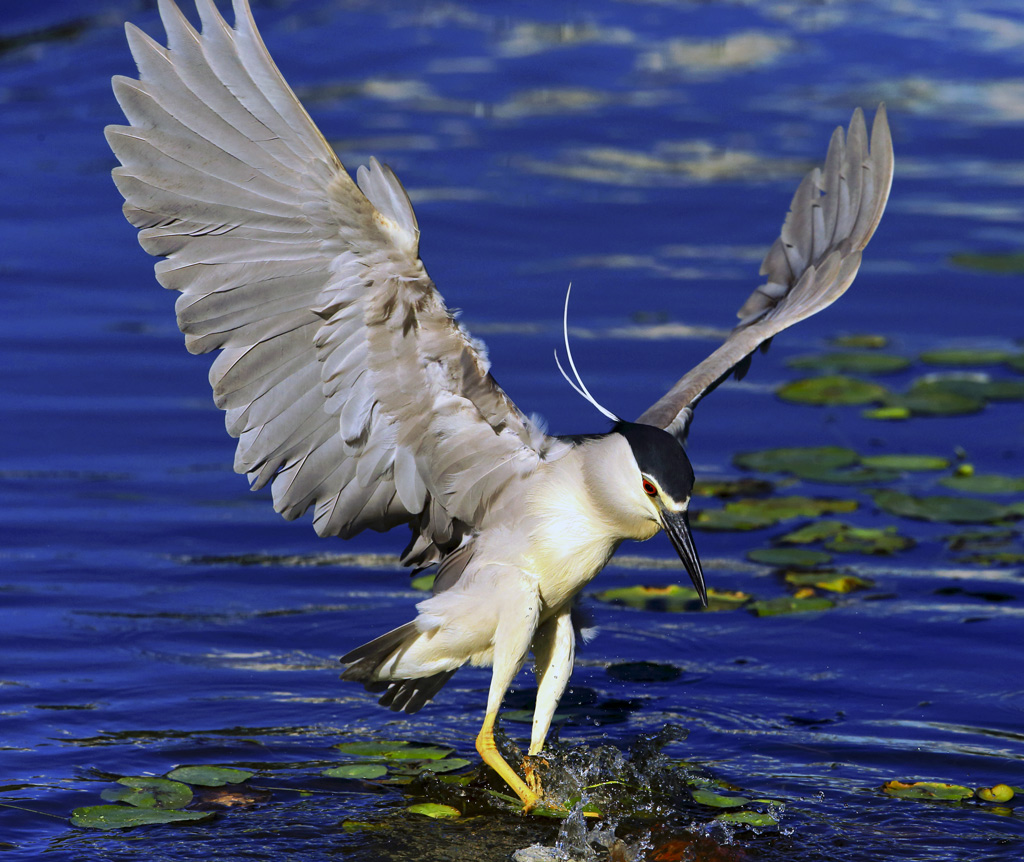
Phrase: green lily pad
{"type": "Point", "coordinates": [361, 826]}
{"type": "Point", "coordinates": [979, 483]}
{"type": "Point", "coordinates": [724, 488]}
{"type": "Point", "coordinates": [209, 776]}
{"type": "Point", "coordinates": [790, 605]}
{"type": "Point", "coordinates": [394, 750]}
{"type": "Point", "coordinates": [927, 790]}
{"type": "Point", "coordinates": [434, 810]}
{"type": "Point", "coordinates": [960, 356]}
{"type": "Point", "coordinates": [994, 558]}
{"type": "Point", "coordinates": [364, 771]}
{"type": "Point", "coordinates": [1015, 362]}
{"type": "Point", "coordinates": [890, 413]}
{"type": "Point", "coordinates": [845, 538]}
{"type": "Point", "coordinates": [673, 598]}
{"type": "Point", "coordinates": [449, 764]}
{"type": "Point", "coordinates": [791, 459]}
{"type": "Point", "coordinates": [717, 800]}
{"type": "Point", "coordinates": [905, 463]}
{"type": "Point", "coordinates": [146, 792]}
{"type": "Point", "coordinates": [816, 531]}
{"type": "Point", "coordinates": [643, 671]}
{"type": "Point", "coordinates": [425, 583]}
{"type": "Point", "coordinates": [748, 818]}
{"type": "Point", "coordinates": [832, 390]}
{"type": "Point", "coordinates": [974, 386]}
{"type": "Point", "coordinates": [837, 584]}
{"type": "Point", "coordinates": [864, 341]}
{"type": "Point", "coordinates": [787, 508]}
{"type": "Point", "coordinates": [955, 510]}
{"type": "Point", "coordinates": [856, 475]}
{"type": "Point", "coordinates": [852, 363]}
{"type": "Point", "coordinates": [125, 816]}
{"type": "Point", "coordinates": [800, 557]}
{"type": "Point", "coordinates": [935, 401]}
{"type": "Point", "coordinates": [863, 540]}
{"type": "Point", "coordinates": [981, 540]}
{"type": "Point", "coordinates": [1002, 264]}
{"type": "Point", "coordinates": [996, 793]}
{"type": "Point", "coordinates": [721, 520]}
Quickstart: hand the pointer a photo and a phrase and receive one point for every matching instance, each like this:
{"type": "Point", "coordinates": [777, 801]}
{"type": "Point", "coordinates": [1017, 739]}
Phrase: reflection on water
{"type": "Point", "coordinates": [156, 614]}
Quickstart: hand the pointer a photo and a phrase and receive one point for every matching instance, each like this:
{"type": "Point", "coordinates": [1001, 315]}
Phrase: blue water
{"type": "Point", "coordinates": [542, 143]}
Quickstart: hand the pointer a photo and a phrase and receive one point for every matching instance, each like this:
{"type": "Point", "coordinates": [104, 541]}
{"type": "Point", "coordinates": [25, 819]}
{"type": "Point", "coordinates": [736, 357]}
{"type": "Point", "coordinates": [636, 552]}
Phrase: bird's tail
{"type": "Point", "coordinates": [365, 665]}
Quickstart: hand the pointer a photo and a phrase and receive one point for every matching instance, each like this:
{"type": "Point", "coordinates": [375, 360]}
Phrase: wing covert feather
{"type": "Point", "coordinates": [832, 216]}
{"type": "Point", "coordinates": [349, 385]}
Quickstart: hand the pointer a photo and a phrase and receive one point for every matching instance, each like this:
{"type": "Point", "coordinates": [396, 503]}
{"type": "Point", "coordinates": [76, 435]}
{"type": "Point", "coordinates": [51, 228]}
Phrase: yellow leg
{"type": "Point", "coordinates": [532, 773]}
{"type": "Point", "coordinates": [489, 752]}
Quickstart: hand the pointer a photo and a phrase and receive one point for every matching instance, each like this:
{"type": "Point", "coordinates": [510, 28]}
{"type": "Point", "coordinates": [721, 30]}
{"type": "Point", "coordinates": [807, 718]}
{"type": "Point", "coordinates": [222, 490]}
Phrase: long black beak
{"type": "Point", "coordinates": [677, 525]}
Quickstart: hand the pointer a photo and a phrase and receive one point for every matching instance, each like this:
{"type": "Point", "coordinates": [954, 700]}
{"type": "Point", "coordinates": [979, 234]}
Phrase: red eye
{"type": "Point", "coordinates": [649, 489]}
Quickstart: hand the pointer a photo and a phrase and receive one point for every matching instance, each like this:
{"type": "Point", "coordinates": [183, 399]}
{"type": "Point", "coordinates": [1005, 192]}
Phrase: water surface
{"type": "Point", "coordinates": [156, 613]}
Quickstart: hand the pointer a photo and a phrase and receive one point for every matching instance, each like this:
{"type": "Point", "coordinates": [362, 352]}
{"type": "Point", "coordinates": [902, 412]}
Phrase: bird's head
{"type": "Point", "coordinates": [661, 485]}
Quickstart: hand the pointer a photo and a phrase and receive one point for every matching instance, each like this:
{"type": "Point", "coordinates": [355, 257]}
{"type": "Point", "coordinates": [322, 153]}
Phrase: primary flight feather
{"type": "Point", "coordinates": [352, 389]}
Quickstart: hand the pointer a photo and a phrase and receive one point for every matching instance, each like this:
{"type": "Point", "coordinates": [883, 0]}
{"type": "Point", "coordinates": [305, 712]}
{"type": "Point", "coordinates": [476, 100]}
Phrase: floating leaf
{"type": "Point", "coordinates": [361, 826]}
{"type": "Point", "coordinates": [996, 793]}
{"type": "Point", "coordinates": [790, 459]}
{"type": "Point", "coordinates": [927, 790]}
{"type": "Point", "coordinates": [717, 800]}
{"type": "Point", "coordinates": [816, 531]}
{"type": "Point", "coordinates": [728, 521]}
{"type": "Point", "coordinates": [435, 810]}
{"type": "Point", "coordinates": [786, 508]}
{"type": "Point", "coordinates": [890, 413]}
{"type": "Point", "coordinates": [801, 557]}
{"type": "Point", "coordinates": [866, 341]}
{"type": "Point", "coordinates": [673, 598]}
{"type": "Point", "coordinates": [907, 463]}
{"type": "Point", "coordinates": [867, 540]}
{"type": "Point", "coordinates": [984, 484]}
{"type": "Point", "coordinates": [748, 818]}
{"type": "Point", "coordinates": [366, 771]}
{"type": "Point", "coordinates": [209, 776]}
{"type": "Point", "coordinates": [1003, 264]}
{"type": "Point", "coordinates": [790, 605]}
{"type": "Point", "coordinates": [1015, 362]}
{"type": "Point", "coordinates": [936, 401]}
{"type": "Point", "coordinates": [146, 792]}
{"type": "Point", "coordinates": [449, 764]}
{"type": "Point", "coordinates": [974, 386]}
{"type": "Point", "coordinates": [125, 816]}
{"type": "Point", "coordinates": [961, 356]}
{"type": "Point", "coordinates": [643, 671]}
{"type": "Point", "coordinates": [745, 487]}
{"type": "Point", "coordinates": [840, 584]}
{"type": "Point", "coordinates": [845, 538]}
{"type": "Point", "coordinates": [425, 583]}
{"type": "Point", "coordinates": [857, 475]}
{"type": "Point", "coordinates": [832, 390]}
{"type": "Point", "coordinates": [955, 510]}
{"type": "Point", "coordinates": [852, 363]}
{"type": "Point", "coordinates": [394, 750]}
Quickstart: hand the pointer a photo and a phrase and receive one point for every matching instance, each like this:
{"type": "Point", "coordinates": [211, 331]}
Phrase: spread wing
{"type": "Point", "coordinates": [833, 215]}
{"type": "Point", "coordinates": [348, 384]}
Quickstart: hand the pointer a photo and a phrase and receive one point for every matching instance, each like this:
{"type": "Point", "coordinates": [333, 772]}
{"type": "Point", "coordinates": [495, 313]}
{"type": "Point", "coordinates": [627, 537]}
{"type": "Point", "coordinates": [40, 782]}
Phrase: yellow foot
{"type": "Point", "coordinates": [532, 768]}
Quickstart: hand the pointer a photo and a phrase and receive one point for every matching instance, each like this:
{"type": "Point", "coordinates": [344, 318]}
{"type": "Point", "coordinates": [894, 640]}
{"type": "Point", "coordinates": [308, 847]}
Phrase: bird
{"type": "Point", "coordinates": [353, 390]}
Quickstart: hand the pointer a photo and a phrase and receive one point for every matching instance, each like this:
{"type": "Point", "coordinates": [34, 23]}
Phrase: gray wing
{"type": "Point", "coordinates": [833, 215]}
{"type": "Point", "coordinates": [349, 385]}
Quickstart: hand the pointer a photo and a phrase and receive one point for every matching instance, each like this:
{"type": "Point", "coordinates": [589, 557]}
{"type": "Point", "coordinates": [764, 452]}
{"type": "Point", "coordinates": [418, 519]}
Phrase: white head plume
{"type": "Point", "coordinates": [578, 385]}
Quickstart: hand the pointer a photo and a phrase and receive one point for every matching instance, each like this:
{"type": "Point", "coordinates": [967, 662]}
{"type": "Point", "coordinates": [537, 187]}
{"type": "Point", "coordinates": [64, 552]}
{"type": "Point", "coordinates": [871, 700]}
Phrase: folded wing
{"type": "Point", "coordinates": [349, 385]}
{"type": "Point", "coordinates": [833, 215]}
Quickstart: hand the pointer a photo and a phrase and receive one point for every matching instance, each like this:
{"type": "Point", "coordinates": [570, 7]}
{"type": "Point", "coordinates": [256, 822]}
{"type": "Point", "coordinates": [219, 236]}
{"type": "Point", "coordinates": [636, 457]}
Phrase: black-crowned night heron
{"type": "Point", "coordinates": [352, 389]}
